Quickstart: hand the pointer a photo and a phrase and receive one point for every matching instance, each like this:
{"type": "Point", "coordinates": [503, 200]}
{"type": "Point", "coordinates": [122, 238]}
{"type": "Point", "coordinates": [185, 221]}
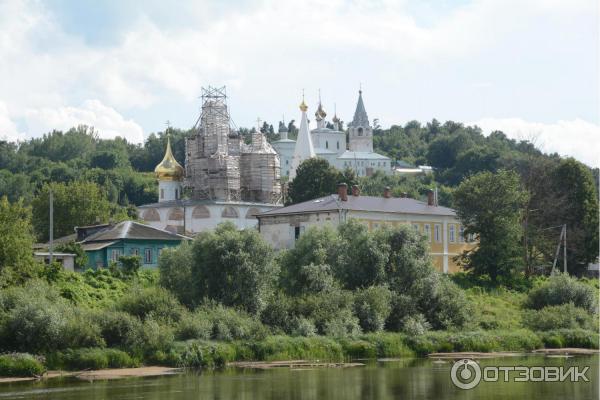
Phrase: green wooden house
{"type": "Point", "coordinates": [106, 243]}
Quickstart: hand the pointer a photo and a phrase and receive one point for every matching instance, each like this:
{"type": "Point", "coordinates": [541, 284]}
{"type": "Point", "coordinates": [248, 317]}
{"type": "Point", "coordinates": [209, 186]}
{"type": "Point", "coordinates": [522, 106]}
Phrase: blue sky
{"type": "Point", "coordinates": [529, 68]}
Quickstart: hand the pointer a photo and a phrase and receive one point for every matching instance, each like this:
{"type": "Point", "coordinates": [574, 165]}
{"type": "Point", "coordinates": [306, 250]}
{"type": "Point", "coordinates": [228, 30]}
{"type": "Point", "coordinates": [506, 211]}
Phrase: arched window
{"type": "Point", "coordinates": [229, 212]}
{"type": "Point", "coordinates": [201, 212]}
{"type": "Point", "coordinates": [151, 215]}
{"type": "Point", "coordinates": [251, 214]}
{"type": "Point", "coordinates": [162, 193]}
{"type": "Point", "coordinates": [338, 145]}
{"type": "Point", "coordinates": [176, 214]}
{"type": "Point", "coordinates": [360, 131]}
{"type": "Point", "coordinates": [326, 144]}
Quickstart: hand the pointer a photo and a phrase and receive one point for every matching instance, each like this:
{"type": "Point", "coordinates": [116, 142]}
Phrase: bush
{"type": "Point", "coordinates": [175, 266]}
{"type": "Point", "coordinates": [91, 358]}
{"type": "Point", "coordinates": [156, 336]}
{"type": "Point", "coordinates": [119, 329]}
{"type": "Point", "coordinates": [415, 325]}
{"type": "Point", "coordinates": [194, 326]}
{"type": "Point", "coordinates": [562, 289]}
{"type": "Point", "coordinates": [20, 365]}
{"type": "Point", "coordinates": [372, 306]}
{"type": "Point", "coordinates": [154, 302]}
{"type": "Point", "coordinates": [570, 338]}
{"type": "Point", "coordinates": [297, 348]}
{"type": "Point", "coordinates": [342, 325]}
{"type": "Point", "coordinates": [565, 316]}
{"type": "Point", "coordinates": [230, 324]}
{"type": "Point", "coordinates": [303, 327]}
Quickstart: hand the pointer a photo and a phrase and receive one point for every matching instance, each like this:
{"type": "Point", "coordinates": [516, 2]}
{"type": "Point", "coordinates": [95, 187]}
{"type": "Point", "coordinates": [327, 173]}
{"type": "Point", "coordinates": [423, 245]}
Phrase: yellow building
{"type": "Point", "coordinates": [282, 227]}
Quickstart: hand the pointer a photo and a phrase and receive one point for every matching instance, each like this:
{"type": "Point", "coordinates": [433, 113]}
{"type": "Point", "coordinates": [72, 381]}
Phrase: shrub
{"type": "Point", "coordinates": [565, 316]}
{"type": "Point", "coordinates": [342, 325]}
{"type": "Point", "coordinates": [154, 302]}
{"type": "Point", "coordinates": [278, 313]}
{"type": "Point", "coordinates": [194, 326]}
{"type": "Point", "coordinates": [562, 289]}
{"type": "Point", "coordinates": [570, 338]}
{"type": "Point", "coordinates": [156, 336]}
{"type": "Point", "coordinates": [91, 358]}
{"type": "Point", "coordinates": [230, 324]}
{"type": "Point", "coordinates": [21, 365]}
{"type": "Point", "coordinates": [175, 266]}
{"type": "Point", "coordinates": [303, 327]}
{"type": "Point", "coordinates": [372, 306]}
{"type": "Point", "coordinates": [297, 348]}
{"type": "Point", "coordinates": [415, 325]}
{"type": "Point", "coordinates": [119, 329]}
{"type": "Point", "coordinates": [388, 344]}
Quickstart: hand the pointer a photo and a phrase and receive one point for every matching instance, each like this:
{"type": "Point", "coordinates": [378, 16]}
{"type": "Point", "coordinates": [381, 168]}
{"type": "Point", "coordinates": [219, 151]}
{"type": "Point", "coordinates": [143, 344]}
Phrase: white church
{"type": "Point", "coordinates": [355, 153]}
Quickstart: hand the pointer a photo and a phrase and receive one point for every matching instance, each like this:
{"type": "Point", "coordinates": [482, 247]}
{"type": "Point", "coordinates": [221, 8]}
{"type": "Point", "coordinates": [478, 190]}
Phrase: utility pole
{"type": "Point", "coordinates": [565, 248]}
{"type": "Point", "coordinates": [51, 246]}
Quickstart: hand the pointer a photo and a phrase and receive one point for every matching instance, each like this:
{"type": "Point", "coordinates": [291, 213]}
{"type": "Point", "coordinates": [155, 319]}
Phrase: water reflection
{"type": "Point", "coordinates": [404, 379]}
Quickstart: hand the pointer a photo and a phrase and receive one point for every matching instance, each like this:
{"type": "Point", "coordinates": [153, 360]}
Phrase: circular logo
{"type": "Point", "coordinates": [465, 374]}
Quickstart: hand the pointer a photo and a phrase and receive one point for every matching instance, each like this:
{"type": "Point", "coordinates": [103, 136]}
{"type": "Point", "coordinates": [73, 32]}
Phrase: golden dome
{"type": "Point", "coordinates": [320, 113]}
{"type": "Point", "coordinates": [169, 169]}
{"type": "Point", "coordinates": [303, 106]}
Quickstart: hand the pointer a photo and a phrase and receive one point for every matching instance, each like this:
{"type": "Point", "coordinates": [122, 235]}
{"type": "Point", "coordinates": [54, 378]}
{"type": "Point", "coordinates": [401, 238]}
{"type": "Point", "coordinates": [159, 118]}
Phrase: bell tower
{"type": "Point", "coordinates": [360, 130]}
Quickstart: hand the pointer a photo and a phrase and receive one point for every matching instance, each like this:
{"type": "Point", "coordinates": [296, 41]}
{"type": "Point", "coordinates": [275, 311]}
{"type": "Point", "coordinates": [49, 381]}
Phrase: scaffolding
{"type": "Point", "coordinates": [260, 172]}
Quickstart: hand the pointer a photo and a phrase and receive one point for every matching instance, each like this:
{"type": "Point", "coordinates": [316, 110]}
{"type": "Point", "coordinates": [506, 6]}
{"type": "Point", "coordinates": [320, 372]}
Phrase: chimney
{"type": "Point", "coordinates": [387, 192]}
{"type": "Point", "coordinates": [430, 198]}
{"type": "Point", "coordinates": [355, 190]}
{"type": "Point", "coordinates": [343, 191]}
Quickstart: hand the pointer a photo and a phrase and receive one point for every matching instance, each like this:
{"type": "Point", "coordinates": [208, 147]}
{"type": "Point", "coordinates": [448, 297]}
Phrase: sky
{"type": "Point", "coordinates": [527, 67]}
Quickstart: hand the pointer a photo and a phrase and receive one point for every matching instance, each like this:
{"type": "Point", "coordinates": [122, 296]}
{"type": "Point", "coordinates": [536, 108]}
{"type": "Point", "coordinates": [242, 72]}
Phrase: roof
{"type": "Point", "coordinates": [132, 230]}
{"type": "Point", "coordinates": [326, 130]}
{"type": "Point", "coordinates": [362, 203]}
{"type": "Point", "coordinates": [284, 141]}
{"type": "Point", "coordinates": [96, 245]}
{"type": "Point", "coordinates": [191, 203]}
{"type": "Point", "coordinates": [360, 114]}
{"type": "Point", "coordinates": [362, 155]}
{"type": "Point", "coordinates": [46, 253]}
{"type": "Point", "coordinates": [320, 150]}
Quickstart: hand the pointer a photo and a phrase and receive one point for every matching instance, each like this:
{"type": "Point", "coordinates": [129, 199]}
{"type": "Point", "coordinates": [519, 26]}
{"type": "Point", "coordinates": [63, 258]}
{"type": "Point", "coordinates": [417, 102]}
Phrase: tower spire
{"type": "Point", "coordinates": [304, 147]}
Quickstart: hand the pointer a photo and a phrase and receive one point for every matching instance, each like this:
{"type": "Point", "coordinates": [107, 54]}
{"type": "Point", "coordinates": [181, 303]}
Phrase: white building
{"type": "Point", "coordinates": [285, 148]}
{"type": "Point", "coordinates": [330, 144]}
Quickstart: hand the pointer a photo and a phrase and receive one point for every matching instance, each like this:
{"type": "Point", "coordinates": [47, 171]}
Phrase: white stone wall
{"type": "Point", "coordinates": [329, 140]}
{"type": "Point", "coordinates": [285, 149]}
{"type": "Point", "coordinates": [365, 166]}
{"type": "Point", "coordinates": [169, 190]}
{"type": "Point", "coordinates": [280, 231]}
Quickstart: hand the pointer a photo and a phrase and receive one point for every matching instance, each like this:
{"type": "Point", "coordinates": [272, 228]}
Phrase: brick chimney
{"type": "Point", "coordinates": [387, 192]}
{"type": "Point", "coordinates": [343, 191]}
{"type": "Point", "coordinates": [430, 198]}
{"type": "Point", "coordinates": [355, 190]}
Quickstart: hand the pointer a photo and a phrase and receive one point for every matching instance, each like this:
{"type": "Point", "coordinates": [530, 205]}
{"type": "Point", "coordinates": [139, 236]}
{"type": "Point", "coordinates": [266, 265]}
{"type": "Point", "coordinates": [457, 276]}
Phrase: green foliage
{"type": "Point", "coordinates": [230, 324]}
{"type": "Point", "coordinates": [565, 316]}
{"type": "Point", "coordinates": [372, 306]}
{"type": "Point", "coordinates": [75, 204]}
{"type": "Point", "coordinates": [235, 268]}
{"type": "Point", "coordinates": [175, 266]}
{"type": "Point", "coordinates": [73, 247]}
{"type": "Point", "coordinates": [489, 207]}
{"type": "Point", "coordinates": [415, 325]}
{"type": "Point", "coordinates": [130, 264]}
{"type": "Point", "coordinates": [20, 365]}
{"type": "Point", "coordinates": [578, 338]}
{"type": "Point", "coordinates": [563, 289]}
{"type": "Point", "coordinates": [16, 242]}
{"type": "Point", "coordinates": [315, 178]}
{"type": "Point", "coordinates": [152, 302]}
{"type": "Point", "coordinates": [91, 358]}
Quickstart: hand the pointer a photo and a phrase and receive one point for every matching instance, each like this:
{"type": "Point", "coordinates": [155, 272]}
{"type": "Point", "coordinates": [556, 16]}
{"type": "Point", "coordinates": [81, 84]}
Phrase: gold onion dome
{"type": "Point", "coordinates": [169, 169]}
{"type": "Point", "coordinates": [335, 118]}
{"type": "Point", "coordinates": [303, 106]}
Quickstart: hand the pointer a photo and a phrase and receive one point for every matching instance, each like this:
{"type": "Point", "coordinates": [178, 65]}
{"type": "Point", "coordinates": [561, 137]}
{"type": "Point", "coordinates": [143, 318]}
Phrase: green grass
{"type": "Point", "coordinates": [496, 309]}
{"type": "Point", "coordinates": [20, 365]}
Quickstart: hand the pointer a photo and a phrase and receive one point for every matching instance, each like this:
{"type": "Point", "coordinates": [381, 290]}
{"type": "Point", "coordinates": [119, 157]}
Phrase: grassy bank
{"type": "Point", "coordinates": [216, 354]}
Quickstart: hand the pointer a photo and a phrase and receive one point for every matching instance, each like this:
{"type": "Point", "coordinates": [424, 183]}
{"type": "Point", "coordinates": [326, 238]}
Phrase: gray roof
{"type": "Point", "coordinates": [132, 230]}
{"type": "Point", "coordinates": [360, 115]}
{"type": "Point", "coordinates": [189, 203]}
{"type": "Point", "coordinates": [320, 150]}
{"type": "Point", "coordinates": [361, 155]}
{"type": "Point", "coordinates": [362, 203]}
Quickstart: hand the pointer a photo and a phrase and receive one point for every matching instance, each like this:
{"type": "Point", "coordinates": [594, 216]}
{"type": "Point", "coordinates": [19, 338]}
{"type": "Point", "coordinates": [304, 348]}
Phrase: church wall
{"type": "Point", "coordinates": [280, 231]}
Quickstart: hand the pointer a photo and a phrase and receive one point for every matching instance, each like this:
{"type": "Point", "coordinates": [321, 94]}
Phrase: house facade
{"type": "Point", "coordinates": [106, 244]}
{"type": "Point", "coordinates": [442, 229]}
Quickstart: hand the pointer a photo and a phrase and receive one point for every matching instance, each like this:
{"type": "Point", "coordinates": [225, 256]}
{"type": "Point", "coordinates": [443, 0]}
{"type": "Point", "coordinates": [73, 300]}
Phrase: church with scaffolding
{"type": "Point", "coordinates": [226, 179]}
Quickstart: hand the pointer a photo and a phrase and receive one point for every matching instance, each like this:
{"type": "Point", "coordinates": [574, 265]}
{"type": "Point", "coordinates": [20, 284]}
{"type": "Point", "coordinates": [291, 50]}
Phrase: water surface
{"type": "Point", "coordinates": [404, 379]}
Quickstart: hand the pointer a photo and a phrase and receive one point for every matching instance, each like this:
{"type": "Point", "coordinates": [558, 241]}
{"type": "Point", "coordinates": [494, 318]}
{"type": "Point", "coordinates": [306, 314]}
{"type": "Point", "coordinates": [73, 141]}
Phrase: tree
{"type": "Point", "coordinates": [175, 266]}
{"type": "Point", "coordinates": [75, 204]}
{"type": "Point", "coordinates": [315, 178]}
{"type": "Point", "coordinates": [489, 206]}
{"type": "Point", "coordinates": [234, 268]}
{"type": "Point", "coordinates": [16, 240]}
{"type": "Point", "coordinates": [580, 212]}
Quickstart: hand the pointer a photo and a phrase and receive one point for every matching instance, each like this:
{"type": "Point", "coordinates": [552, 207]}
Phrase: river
{"type": "Point", "coordinates": [400, 379]}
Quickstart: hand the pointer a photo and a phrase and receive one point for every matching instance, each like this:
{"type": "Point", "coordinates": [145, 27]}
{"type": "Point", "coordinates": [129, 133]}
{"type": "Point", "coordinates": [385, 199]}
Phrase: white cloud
{"type": "Point", "coordinates": [575, 138]}
{"type": "Point", "coordinates": [8, 129]}
{"type": "Point", "coordinates": [106, 121]}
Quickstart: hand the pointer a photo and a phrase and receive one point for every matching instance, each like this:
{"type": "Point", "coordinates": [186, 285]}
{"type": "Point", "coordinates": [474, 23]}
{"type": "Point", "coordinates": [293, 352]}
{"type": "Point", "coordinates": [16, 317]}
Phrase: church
{"type": "Point", "coordinates": [354, 151]}
{"type": "Point", "coordinates": [226, 179]}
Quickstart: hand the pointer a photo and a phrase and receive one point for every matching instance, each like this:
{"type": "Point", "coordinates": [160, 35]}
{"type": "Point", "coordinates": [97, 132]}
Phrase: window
{"type": "Point", "coordinates": [115, 254]}
{"type": "Point", "coordinates": [135, 251]}
{"type": "Point", "coordinates": [287, 162]}
{"type": "Point", "coordinates": [415, 227]}
{"type": "Point", "coordinates": [461, 234]}
{"type": "Point", "coordinates": [176, 194]}
{"type": "Point", "coordinates": [360, 131]}
{"type": "Point", "coordinates": [162, 193]}
{"type": "Point", "coordinates": [298, 230]}
{"type": "Point", "coordinates": [427, 228]}
{"type": "Point", "coordinates": [452, 233]}
{"type": "Point", "coordinates": [326, 144]}
{"type": "Point", "coordinates": [147, 256]}
{"type": "Point", "coordinates": [437, 233]}
{"type": "Point", "coordinates": [338, 145]}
